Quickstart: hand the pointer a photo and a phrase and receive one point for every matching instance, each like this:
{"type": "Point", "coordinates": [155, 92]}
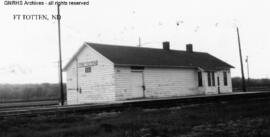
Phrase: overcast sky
{"type": "Point", "coordinates": [29, 49]}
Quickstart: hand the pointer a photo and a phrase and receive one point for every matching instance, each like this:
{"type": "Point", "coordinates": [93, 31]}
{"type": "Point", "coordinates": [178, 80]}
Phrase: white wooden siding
{"type": "Point", "coordinates": [165, 82]}
{"type": "Point", "coordinates": [122, 83]}
{"type": "Point", "coordinates": [228, 88]}
{"type": "Point", "coordinates": [106, 82]}
{"type": "Point", "coordinates": [72, 95]}
{"type": "Point", "coordinates": [223, 88]}
{"type": "Point", "coordinates": [137, 84]}
{"type": "Point", "coordinates": [159, 82]}
{"type": "Point", "coordinates": [98, 85]}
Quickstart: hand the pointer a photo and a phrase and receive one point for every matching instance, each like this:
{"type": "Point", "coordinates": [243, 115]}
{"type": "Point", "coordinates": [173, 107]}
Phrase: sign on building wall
{"type": "Point", "coordinates": [88, 64]}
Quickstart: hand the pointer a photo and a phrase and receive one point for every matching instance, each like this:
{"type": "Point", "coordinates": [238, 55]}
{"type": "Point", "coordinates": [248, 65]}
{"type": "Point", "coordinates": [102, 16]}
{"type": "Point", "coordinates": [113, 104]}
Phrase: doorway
{"type": "Point", "coordinates": [137, 85]}
{"type": "Point", "coordinates": [218, 82]}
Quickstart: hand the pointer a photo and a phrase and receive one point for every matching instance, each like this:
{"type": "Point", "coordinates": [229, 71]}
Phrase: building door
{"type": "Point", "coordinates": [218, 82]}
{"type": "Point", "coordinates": [77, 83]}
{"type": "Point", "coordinates": [72, 87]}
{"type": "Point", "coordinates": [137, 89]}
{"type": "Point", "coordinates": [72, 95]}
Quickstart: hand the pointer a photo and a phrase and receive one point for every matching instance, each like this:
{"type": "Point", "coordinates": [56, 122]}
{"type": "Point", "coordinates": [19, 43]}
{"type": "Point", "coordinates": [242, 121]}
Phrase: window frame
{"type": "Point", "coordinates": [209, 78]}
{"type": "Point", "coordinates": [200, 80]}
{"type": "Point", "coordinates": [213, 79]}
{"type": "Point", "coordinates": [86, 69]}
{"type": "Point", "coordinates": [225, 78]}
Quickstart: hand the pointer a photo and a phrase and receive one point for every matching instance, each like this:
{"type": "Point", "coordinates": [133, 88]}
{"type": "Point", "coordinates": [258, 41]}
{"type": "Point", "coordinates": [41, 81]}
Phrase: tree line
{"type": "Point", "coordinates": [28, 92]}
{"type": "Point", "coordinates": [251, 84]}
{"type": "Point", "coordinates": [47, 91]}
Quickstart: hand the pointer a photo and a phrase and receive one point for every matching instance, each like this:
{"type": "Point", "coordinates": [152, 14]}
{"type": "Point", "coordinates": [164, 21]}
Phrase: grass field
{"type": "Point", "coordinates": [237, 119]}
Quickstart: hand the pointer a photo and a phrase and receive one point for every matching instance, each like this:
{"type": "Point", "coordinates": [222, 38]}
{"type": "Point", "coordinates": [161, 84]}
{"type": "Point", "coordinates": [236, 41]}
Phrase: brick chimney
{"type": "Point", "coordinates": [189, 48]}
{"type": "Point", "coordinates": [166, 45]}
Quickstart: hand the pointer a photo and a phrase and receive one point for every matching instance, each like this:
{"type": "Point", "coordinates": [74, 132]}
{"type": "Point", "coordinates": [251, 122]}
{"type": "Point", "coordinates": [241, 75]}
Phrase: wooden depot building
{"type": "Point", "coordinates": [101, 73]}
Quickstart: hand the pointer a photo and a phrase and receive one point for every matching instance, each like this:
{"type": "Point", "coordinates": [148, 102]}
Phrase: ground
{"type": "Point", "coordinates": [235, 119]}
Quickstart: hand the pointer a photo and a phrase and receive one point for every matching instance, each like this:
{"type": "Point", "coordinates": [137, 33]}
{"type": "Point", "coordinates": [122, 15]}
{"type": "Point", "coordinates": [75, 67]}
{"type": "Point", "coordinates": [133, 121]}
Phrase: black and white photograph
{"type": "Point", "coordinates": [134, 68]}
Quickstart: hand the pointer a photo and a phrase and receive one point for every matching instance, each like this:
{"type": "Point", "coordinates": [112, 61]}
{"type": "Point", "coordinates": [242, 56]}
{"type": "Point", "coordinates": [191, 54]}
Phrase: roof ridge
{"type": "Point", "coordinates": [131, 55]}
{"type": "Point", "coordinates": [115, 45]}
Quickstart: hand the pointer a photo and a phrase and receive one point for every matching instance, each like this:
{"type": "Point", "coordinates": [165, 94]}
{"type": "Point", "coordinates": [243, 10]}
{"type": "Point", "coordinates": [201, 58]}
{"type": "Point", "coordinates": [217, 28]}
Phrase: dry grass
{"type": "Point", "coordinates": [238, 119]}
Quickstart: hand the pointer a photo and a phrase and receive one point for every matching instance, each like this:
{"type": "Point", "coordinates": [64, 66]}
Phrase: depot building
{"type": "Point", "coordinates": [102, 72]}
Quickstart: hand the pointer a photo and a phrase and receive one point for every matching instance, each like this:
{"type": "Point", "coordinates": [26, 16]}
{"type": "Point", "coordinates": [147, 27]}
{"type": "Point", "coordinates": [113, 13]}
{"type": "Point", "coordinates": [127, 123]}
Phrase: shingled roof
{"type": "Point", "coordinates": [140, 56]}
{"type": "Point", "coordinates": [151, 57]}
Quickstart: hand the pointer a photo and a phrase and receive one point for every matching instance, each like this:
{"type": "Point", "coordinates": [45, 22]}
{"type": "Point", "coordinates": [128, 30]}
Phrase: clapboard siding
{"type": "Point", "coordinates": [223, 88]}
{"type": "Point", "coordinates": [72, 97]}
{"type": "Point", "coordinates": [228, 88]}
{"type": "Point", "coordinates": [165, 82]}
{"type": "Point", "coordinates": [123, 85]}
{"type": "Point", "coordinates": [109, 82]}
{"type": "Point", "coordinates": [99, 84]}
{"type": "Point", "coordinates": [159, 82]}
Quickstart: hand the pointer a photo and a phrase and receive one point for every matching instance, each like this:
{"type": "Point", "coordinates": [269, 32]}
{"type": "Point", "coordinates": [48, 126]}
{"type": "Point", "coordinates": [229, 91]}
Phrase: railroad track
{"type": "Point", "coordinates": [21, 104]}
{"type": "Point", "coordinates": [143, 103]}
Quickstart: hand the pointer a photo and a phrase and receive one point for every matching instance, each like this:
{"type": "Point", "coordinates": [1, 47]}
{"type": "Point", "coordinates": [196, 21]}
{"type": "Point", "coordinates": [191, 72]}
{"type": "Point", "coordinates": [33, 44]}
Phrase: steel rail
{"type": "Point", "coordinates": [142, 103]}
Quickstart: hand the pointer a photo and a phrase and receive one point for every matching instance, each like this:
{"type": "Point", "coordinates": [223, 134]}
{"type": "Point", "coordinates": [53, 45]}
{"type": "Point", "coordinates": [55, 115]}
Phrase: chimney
{"type": "Point", "coordinates": [166, 45]}
{"type": "Point", "coordinates": [189, 48]}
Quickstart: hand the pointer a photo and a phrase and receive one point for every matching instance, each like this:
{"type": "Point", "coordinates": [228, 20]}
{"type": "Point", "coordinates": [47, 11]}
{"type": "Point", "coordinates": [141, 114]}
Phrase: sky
{"type": "Point", "coordinates": [29, 48]}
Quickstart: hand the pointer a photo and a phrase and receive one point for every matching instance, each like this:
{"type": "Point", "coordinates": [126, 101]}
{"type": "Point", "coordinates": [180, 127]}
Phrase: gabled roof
{"type": "Point", "coordinates": [140, 56]}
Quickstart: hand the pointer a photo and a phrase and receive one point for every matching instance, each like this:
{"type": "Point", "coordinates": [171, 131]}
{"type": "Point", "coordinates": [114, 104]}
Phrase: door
{"type": "Point", "coordinates": [72, 87]}
{"type": "Point", "coordinates": [76, 83]}
{"type": "Point", "coordinates": [218, 82]}
{"type": "Point", "coordinates": [137, 86]}
{"type": "Point", "coordinates": [72, 95]}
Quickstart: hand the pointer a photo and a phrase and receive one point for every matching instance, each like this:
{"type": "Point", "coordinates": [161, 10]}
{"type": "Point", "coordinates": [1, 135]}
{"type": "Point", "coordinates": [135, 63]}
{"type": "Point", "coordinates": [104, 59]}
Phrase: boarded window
{"type": "Point", "coordinates": [213, 79]}
{"type": "Point", "coordinates": [200, 79]}
{"type": "Point", "coordinates": [225, 79]}
{"type": "Point", "coordinates": [87, 69]}
{"type": "Point", "coordinates": [209, 78]}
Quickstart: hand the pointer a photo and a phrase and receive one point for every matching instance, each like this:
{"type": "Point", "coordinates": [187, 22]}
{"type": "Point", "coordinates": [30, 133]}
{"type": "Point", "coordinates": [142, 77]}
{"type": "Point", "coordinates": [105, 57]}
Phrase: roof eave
{"type": "Point", "coordinates": [218, 68]}
{"type": "Point", "coordinates": [74, 56]}
{"type": "Point", "coordinates": [171, 66]}
{"type": "Point", "coordinates": [156, 66]}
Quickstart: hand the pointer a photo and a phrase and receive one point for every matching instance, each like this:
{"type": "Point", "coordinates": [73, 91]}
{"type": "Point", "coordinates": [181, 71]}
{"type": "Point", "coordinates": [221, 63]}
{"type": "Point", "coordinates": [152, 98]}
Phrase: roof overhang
{"type": "Point", "coordinates": [74, 56]}
{"type": "Point", "coordinates": [218, 69]}
{"type": "Point", "coordinates": [155, 66]}
{"type": "Point", "coordinates": [170, 66]}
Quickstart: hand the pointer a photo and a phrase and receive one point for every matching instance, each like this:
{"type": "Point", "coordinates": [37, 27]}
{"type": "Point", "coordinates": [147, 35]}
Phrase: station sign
{"type": "Point", "coordinates": [88, 64]}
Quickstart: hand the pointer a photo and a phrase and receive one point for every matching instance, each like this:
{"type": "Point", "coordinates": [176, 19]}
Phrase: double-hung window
{"type": "Point", "coordinates": [225, 78]}
{"type": "Point", "coordinates": [200, 84]}
{"type": "Point", "coordinates": [211, 79]}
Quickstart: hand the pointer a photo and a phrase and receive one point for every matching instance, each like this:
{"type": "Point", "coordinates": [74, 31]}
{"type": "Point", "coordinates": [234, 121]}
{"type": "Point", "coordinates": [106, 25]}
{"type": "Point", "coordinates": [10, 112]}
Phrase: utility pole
{"type": "Point", "coordinates": [241, 61]}
{"type": "Point", "coordinates": [247, 70]}
{"type": "Point", "coordinates": [140, 44]}
{"type": "Point", "coordinates": [60, 56]}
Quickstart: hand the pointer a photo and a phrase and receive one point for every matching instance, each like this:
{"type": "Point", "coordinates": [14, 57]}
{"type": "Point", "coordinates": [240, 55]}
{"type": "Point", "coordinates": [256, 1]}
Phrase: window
{"type": "Point", "coordinates": [209, 78]}
{"type": "Point", "coordinates": [213, 79]}
{"type": "Point", "coordinates": [137, 67]}
{"type": "Point", "coordinates": [87, 69]}
{"type": "Point", "coordinates": [200, 79]}
{"type": "Point", "coordinates": [225, 79]}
